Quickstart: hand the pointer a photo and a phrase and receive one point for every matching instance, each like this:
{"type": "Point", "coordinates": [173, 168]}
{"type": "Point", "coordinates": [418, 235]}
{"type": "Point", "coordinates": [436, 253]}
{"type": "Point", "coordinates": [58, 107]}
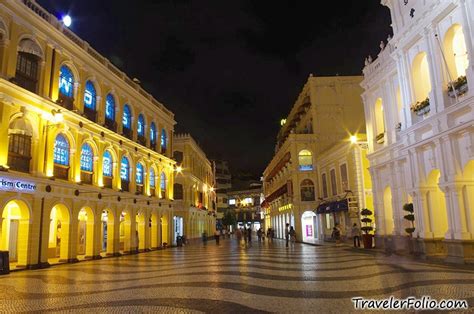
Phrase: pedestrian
{"type": "Point", "coordinates": [336, 234]}
{"type": "Point", "coordinates": [245, 235]}
{"type": "Point", "coordinates": [272, 234]}
{"type": "Point", "coordinates": [249, 235]}
{"type": "Point", "coordinates": [259, 235]}
{"type": "Point", "coordinates": [224, 231]}
{"type": "Point", "coordinates": [355, 233]}
{"type": "Point", "coordinates": [217, 235]}
{"type": "Point", "coordinates": [287, 234]}
{"type": "Point", "coordinates": [292, 235]}
{"type": "Point", "coordinates": [238, 233]}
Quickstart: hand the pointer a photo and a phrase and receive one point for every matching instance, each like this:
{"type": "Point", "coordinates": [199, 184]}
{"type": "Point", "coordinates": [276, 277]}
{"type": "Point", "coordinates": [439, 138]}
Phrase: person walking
{"type": "Point", "coordinates": [259, 235]}
{"type": "Point", "coordinates": [217, 235]}
{"type": "Point", "coordinates": [249, 234]}
{"type": "Point", "coordinates": [336, 234]}
{"type": "Point", "coordinates": [355, 233]}
{"type": "Point", "coordinates": [292, 236]}
{"type": "Point", "coordinates": [287, 234]}
{"type": "Point", "coordinates": [272, 234]}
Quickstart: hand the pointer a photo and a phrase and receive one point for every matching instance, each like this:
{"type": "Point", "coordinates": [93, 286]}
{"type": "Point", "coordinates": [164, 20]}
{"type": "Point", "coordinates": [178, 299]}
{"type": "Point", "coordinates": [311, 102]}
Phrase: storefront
{"type": "Point", "coordinates": [332, 213]}
{"type": "Point", "coordinates": [309, 226]}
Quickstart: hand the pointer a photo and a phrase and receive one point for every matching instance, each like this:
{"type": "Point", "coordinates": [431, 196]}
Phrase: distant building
{"type": "Point", "coordinates": [223, 184]}
{"type": "Point", "coordinates": [245, 204]}
{"type": "Point", "coordinates": [194, 192]}
{"type": "Point", "coordinates": [315, 163]}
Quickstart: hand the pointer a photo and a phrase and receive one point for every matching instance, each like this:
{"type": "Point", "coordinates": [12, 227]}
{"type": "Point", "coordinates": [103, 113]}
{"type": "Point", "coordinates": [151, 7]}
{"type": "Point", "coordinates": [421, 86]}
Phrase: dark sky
{"type": "Point", "coordinates": [230, 70]}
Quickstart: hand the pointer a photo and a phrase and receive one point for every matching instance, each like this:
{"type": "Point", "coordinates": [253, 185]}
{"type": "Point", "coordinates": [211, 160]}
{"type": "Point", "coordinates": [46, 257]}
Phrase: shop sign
{"type": "Point", "coordinates": [309, 230]}
{"type": "Point", "coordinates": [16, 185]}
{"type": "Point", "coordinates": [285, 207]}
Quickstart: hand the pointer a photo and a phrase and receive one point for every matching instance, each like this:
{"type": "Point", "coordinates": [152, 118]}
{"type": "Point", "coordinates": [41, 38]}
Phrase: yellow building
{"type": "Point", "coordinates": [344, 188]}
{"type": "Point", "coordinates": [195, 198]}
{"type": "Point", "coordinates": [86, 152]}
{"type": "Point", "coordinates": [327, 112]}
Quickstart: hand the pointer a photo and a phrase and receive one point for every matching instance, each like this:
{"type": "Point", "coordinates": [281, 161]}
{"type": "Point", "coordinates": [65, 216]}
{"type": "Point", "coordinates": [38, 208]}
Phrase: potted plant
{"type": "Point", "coordinates": [421, 107]}
{"type": "Point", "coordinates": [367, 221]}
{"type": "Point", "coordinates": [408, 207]}
{"type": "Point", "coordinates": [460, 87]}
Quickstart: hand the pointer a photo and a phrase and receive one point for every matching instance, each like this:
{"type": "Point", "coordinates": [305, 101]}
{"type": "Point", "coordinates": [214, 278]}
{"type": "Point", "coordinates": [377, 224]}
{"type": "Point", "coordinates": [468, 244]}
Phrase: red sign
{"type": "Point", "coordinates": [309, 230]}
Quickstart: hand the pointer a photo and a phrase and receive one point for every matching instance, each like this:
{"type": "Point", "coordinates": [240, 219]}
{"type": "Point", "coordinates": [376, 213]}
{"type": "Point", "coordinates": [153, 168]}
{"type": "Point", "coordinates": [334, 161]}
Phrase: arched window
{"type": "Point", "coordinates": [107, 169]}
{"type": "Point", "coordinates": [66, 87]}
{"type": "Point", "coordinates": [61, 157]}
{"type": "Point", "coordinates": [305, 160]}
{"type": "Point", "coordinates": [141, 125]}
{"type": "Point", "coordinates": [307, 190]}
{"type": "Point", "coordinates": [61, 150]}
{"type": "Point", "coordinates": [164, 140]}
{"type": "Point", "coordinates": [27, 65]}
{"type": "Point", "coordinates": [139, 175]}
{"type": "Point", "coordinates": [20, 133]}
{"type": "Point", "coordinates": [127, 117]}
{"type": "Point", "coordinates": [90, 96]}
{"type": "Point", "coordinates": [456, 51]}
{"type": "Point", "coordinates": [153, 135]}
{"type": "Point", "coordinates": [163, 185]}
{"type": "Point", "coordinates": [125, 169]}
{"type": "Point", "coordinates": [379, 122]}
{"type": "Point", "coordinates": [110, 107]}
{"type": "Point", "coordinates": [152, 178]}
{"type": "Point", "coordinates": [421, 77]}
{"type": "Point", "coordinates": [125, 173]}
{"type": "Point", "coordinates": [87, 158]}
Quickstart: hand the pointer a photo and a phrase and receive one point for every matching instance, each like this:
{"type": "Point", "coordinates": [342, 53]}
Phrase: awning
{"type": "Point", "coordinates": [332, 207]}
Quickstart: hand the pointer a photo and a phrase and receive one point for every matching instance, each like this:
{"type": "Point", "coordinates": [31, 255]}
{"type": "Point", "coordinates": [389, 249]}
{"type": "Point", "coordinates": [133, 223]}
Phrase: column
{"type": "Point", "coordinates": [436, 94]}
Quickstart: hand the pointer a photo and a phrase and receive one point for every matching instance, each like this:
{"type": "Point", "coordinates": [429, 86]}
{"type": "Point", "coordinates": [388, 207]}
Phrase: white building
{"type": "Point", "coordinates": [421, 136]}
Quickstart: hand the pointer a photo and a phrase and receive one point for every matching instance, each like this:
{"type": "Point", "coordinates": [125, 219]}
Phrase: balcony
{"type": "Point", "coordinates": [141, 139]}
{"type": "Point", "coordinates": [110, 124]}
{"type": "Point", "coordinates": [18, 162]}
{"type": "Point", "coordinates": [61, 172]}
{"type": "Point", "coordinates": [125, 185]}
{"type": "Point", "coordinates": [139, 190]}
{"type": "Point", "coordinates": [128, 133]}
{"type": "Point", "coordinates": [107, 182]}
{"type": "Point", "coordinates": [90, 114]}
{"type": "Point", "coordinates": [65, 101]}
{"type": "Point", "coordinates": [86, 177]}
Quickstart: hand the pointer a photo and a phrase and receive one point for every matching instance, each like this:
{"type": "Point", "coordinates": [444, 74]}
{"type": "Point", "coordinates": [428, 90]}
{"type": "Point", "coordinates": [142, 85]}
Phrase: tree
{"type": "Point", "coordinates": [229, 218]}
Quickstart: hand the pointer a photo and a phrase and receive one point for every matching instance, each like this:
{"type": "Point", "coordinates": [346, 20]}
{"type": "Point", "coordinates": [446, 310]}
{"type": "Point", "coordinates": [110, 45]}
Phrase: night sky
{"type": "Point", "coordinates": [230, 70]}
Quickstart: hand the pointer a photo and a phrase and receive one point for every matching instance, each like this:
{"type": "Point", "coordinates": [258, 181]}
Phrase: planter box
{"type": "Point", "coordinates": [461, 90]}
{"type": "Point", "coordinates": [367, 240]}
{"type": "Point", "coordinates": [422, 111]}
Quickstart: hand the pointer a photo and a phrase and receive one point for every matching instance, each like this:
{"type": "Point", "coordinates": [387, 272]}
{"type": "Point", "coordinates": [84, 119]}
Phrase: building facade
{"type": "Point", "coordinates": [245, 204]}
{"type": "Point", "coordinates": [194, 194]}
{"type": "Point", "coordinates": [345, 188]}
{"type": "Point", "coordinates": [327, 112]}
{"type": "Point", "coordinates": [85, 160]}
{"type": "Point", "coordinates": [223, 184]}
{"type": "Point", "coordinates": [420, 125]}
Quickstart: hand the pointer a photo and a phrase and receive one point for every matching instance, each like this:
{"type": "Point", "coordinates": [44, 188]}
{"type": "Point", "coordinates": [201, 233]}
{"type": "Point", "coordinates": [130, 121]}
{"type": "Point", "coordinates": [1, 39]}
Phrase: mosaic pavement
{"type": "Point", "coordinates": [231, 279]}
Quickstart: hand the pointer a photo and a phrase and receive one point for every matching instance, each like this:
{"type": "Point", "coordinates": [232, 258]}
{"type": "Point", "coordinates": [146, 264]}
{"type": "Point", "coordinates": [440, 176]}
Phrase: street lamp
{"type": "Point", "coordinates": [67, 20]}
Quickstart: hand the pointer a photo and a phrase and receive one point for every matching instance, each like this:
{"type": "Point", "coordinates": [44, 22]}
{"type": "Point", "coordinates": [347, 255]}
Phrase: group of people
{"type": "Point", "coordinates": [355, 234]}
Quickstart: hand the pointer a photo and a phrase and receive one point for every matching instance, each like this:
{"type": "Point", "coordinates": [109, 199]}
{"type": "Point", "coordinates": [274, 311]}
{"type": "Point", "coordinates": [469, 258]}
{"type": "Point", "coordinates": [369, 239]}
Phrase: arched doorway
{"type": "Point", "coordinates": [107, 233]}
{"type": "Point", "coordinates": [58, 243]}
{"type": "Point", "coordinates": [125, 232]}
{"type": "Point", "coordinates": [154, 232]}
{"type": "Point", "coordinates": [436, 205]}
{"type": "Point", "coordinates": [140, 226]}
{"type": "Point", "coordinates": [388, 211]}
{"type": "Point", "coordinates": [164, 230]}
{"type": "Point", "coordinates": [456, 52]}
{"type": "Point", "coordinates": [85, 233]}
{"type": "Point", "coordinates": [14, 233]}
{"type": "Point", "coordinates": [421, 77]}
{"type": "Point", "coordinates": [309, 225]}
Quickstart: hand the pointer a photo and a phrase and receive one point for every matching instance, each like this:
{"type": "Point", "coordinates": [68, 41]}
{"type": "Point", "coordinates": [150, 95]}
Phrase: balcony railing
{"type": "Point", "coordinates": [110, 124]}
{"type": "Point", "coordinates": [18, 162]}
{"type": "Point", "coordinates": [152, 191]}
{"type": "Point", "coordinates": [86, 177]}
{"type": "Point", "coordinates": [128, 133]}
{"type": "Point", "coordinates": [65, 101]}
{"type": "Point", "coordinates": [125, 185]}
{"type": "Point", "coordinates": [141, 139]}
{"type": "Point", "coordinates": [139, 189]}
{"type": "Point", "coordinates": [90, 114]}
{"type": "Point", "coordinates": [61, 172]}
{"type": "Point", "coordinates": [107, 182]}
